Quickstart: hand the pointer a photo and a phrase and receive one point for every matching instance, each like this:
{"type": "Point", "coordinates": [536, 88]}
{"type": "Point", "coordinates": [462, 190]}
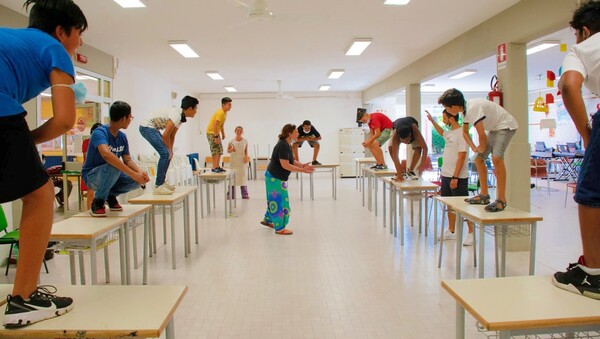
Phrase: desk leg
{"type": "Point", "coordinates": [459, 237]}
{"type": "Point", "coordinates": [127, 255]}
{"type": "Point", "coordinates": [164, 211]}
{"type": "Point", "coordinates": [394, 221]}
{"type": "Point", "coordinates": [107, 262]}
{"type": "Point", "coordinates": [72, 268]}
{"type": "Point", "coordinates": [370, 189]}
{"type": "Point", "coordinates": [312, 184]}
{"type": "Point", "coordinates": [532, 248]}
{"type": "Point", "coordinates": [383, 201]}
{"type": "Point", "coordinates": [375, 189]}
{"type": "Point", "coordinates": [134, 247]}
{"type": "Point", "coordinates": [145, 251]}
{"type": "Point", "coordinates": [196, 213]}
{"type": "Point", "coordinates": [201, 200]}
{"type": "Point", "coordinates": [426, 216]}
{"type": "Point", "coordinates": [225, 183]}
{"type": "Point", "coordinates": [460, 322]}
{"type": "Point", "coordinates": [481, 249]}
{"type": "Point", "coordinates": [301, 187]}
{"type": "Point", "coordinates": [504, 230]}
{"type": "Point", "coordinates": [82, 267]}
{"type": "Point", "coordinates": [93, 249]}
{"type": "Point", "coordinates": [173, 254]}
{"type": "Point", "coordinates": [334, 183]}
{"type": "Point", "coordinates": [362, 187]}
{"type": "Point", "coordinates": [401, 216]}
{"type": "Point", "coordinates": [170, 330]}
{"type": "Point", "coordinates": [356, 173]}
{"type": "Point", "coordinates": [435, 209]}
{"type": "Point", "coordinates": [153, 233]}
{"type": "Point", "coordinates": [186, 227]}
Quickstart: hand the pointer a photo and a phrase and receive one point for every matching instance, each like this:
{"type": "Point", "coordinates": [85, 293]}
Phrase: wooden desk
{"type": "Point", "coordinates": [518, 306]}
{"type": "Point", "coordinates": [372, 184]}
{"type": "Point", "coordinates": [360, 162]}
{"type": "Point", "coordinates": [130, 212]}
{"type": "Point", "coordinates": [403, 189]}
{"type": "Point", "coordinates": [481, 218]}
{"type": "Point", "coordinates": [82, 232]}
{"type": "Point", "coordinates": [108, 312]}
{"type": "Point", "coordinates": [227, 178]}
{"type": "Point", "coordinates": [181, 194]}
{"type": "Point", "coordinates": [332, 168]}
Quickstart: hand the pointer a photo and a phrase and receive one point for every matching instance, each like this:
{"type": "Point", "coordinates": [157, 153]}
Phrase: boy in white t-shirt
{"type": "Point", "coordinates": [455, 174]}
{"type": "Point", "coordinates": [486, 116]}
{"type": "Point", "coordinates": [582, 67]}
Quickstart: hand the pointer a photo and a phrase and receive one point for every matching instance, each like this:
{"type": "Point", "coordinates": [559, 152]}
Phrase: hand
{"type": "Point", "coordinates": [454, 184]}
{"type": "Point", "coordinates": [246, 159]}
{"type": "Point", "coordinates": [474, 149]}
{"type": "Point", "coordinates": [230, 148]}
{"type": "Point", "coordinates": [307, 168]}
{"type": "Point", "coordinates": [217, 140]}
{"type": "Point", "coordinates": [399, 177]}
{"type": "Point", "coordinates": [480, 149]}
{"type": "Point", "coordinates": [146, 177]}
{"type": "Point", "coordinates": [366, 144]}
{"type": "Point", "coordinates": [139, 178]}
{"type": "Point", "coordinates": [429, 117]}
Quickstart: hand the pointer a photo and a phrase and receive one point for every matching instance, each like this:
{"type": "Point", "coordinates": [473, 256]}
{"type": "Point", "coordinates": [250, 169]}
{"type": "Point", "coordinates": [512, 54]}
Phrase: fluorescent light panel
{"type": "Point", "coordinates": [542, 46]}
{"type": "Point", "coordinates": [130, 3]}
{"type": "Point", "coordinates": [214, 75]}
{"type": "Point", "coordinates": [230, 89]}
{"type": "Point", "coordinates": [183, 48]}
{"type": "Point", "coordinates": [463, 74]}
{"type": "Point", "coordinates": [358, 46]}
{"type": "Point", "coordinates": [396, 2]}
{"type": "Point", "coordinates": [335, 73]}
{"type": "Point", "coordinates": [324, 87]}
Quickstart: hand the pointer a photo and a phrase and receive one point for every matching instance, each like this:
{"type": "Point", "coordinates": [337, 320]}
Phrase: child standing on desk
{"type": "Point", "coordinates": [501, 126]}
{"type": "Point", "coordinates": [406, 131]}
{"type": "Point", "coordinates": [31, 60]}
{"type": "Point", "coordinates": [238, 148]}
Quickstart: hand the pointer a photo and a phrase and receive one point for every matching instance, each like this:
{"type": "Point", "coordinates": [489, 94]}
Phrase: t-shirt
{"type": "Point", "coordinates": [493, 116]}
{"type": "Point", "coordinates": [27, 57]}
{"type": "Point", "coordinates": [118, 146]}
{"type": "Point", "coordinates": [455, 143]}
{"type": "Point", "coordinates": [159, 120]}
{"type": "Point", "coordinates": [380, 121]}
{"type": "Point", "coordinates": [312, 133]}
{"type": "Point", "coordinates": [281, 151]}
{"type": "Point", "coordinates": [219, 116]}
{"type": "Point", "coordinates": [584, 58]}
{"type": "Point", "coordinates": [406, 121]}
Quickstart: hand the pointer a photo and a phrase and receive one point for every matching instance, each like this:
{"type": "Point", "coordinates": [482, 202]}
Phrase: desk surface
{"type": "Point", "coordinates": [84, 228]}
{"type": "Point", "coordinates": [326, 166]}
{"type": "Point", "coordinates": [478, 214]}
{"type": "Point", "coordinates": [129, 211]}
{"type": "Point", "coordinates": [219, 176]}
{"type": "Point", "coordinates": [105, 312]}
{"type": "Point", "coordinates": [412, 185]}
{"type": "Point", "coordinates": [381, 173]}
{"type": "Point", "coordinates": [151, 198]}
{"type": "Point", "coordinates": [522, 303]}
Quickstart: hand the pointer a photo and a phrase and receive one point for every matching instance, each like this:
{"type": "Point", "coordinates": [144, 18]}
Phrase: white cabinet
{"type": "Point", "coordinates": [351, 147]}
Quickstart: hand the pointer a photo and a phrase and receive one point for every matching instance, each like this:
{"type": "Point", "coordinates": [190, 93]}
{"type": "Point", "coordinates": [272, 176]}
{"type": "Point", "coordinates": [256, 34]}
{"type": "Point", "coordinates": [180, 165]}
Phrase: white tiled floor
{"type": "Point", "coordinates": [341, 275]}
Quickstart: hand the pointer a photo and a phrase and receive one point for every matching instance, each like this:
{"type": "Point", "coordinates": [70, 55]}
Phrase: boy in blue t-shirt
{"type": "Point", "coordinates": [103, 170]}
{"type": "Point", "coordinates": [31, 60]}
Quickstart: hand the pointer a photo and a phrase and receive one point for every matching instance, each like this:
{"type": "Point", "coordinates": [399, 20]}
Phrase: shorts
{"type": "Point", "coordinates": [497, 143]}
{"type": "Point", "coordinates": [460, 191]}
{"type": "Point", "coordinates": [384, 136]}
{"type": "Point", "coordinates": [587, 192]}
{"type": "Point", "coordinates": [21, 170]}
{"type": "Point", "coordinates": [310, 143]}
{"type": "Point", "coordinates": [214, 147]}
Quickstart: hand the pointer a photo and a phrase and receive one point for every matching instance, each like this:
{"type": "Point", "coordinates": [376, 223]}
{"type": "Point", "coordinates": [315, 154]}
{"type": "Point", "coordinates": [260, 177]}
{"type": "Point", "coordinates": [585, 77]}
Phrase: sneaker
{"type": "Point", "coordinates": [218, 170]}
{"type": "Point", "coordinates": [410, 175]}
{"type": "Point", "coordinates": [469, 240]}
{"type": "Point", "coordinates": [381, 167]}
{"type": "Point", "coordinates": [577, 280]}
{"type": "Point", "coordinates": [98, 209]}
{"type": "Point", "coordinates": [113, 203]}
{"type": "Point", "coordinates": [42, 304]}
{"type": "Point", "coordinates": [162, 190]}
{"type": "Point", "coordinates": [447, 235]}
{"type": "Point", "coordinates": [373, 167]}
{"type": "Point", "coordinates": [316, 163]}
{"type": "Point", "coordinates": [171, 187]}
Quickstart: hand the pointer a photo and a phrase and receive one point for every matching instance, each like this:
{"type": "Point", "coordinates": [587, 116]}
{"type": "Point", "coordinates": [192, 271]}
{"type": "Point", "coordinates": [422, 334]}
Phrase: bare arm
{"type": "Point", "coordinates": [168, 135]}
{"type": "Point", "coordinates": [394, 148]}
{"type": "Point", "coordinates": [468, 137]}
{"type": "Point", "coordinates": [482, 137]}
{"type": "Point", "coordinates": [112, 159]}
{"type": "Point", "coordinates": [375, 133]}
{"type": "Point", "coordinates": [570, 84]}
{"type": "Point", "coordinates": [422, 145]}
{"type": "Point", "coordinates": [63, 105]}
{"type": "Point", "coordinates": [437, 127]}
{"type": "Point", "coordinates": [131, 164]}
{"type": "Point", "coordinates": [296, 167]}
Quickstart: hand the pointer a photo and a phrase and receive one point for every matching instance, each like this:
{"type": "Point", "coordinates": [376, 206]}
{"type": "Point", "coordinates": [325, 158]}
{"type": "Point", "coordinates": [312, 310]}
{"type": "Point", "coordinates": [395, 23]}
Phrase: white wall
{"type": "Point", "coordinates": [263, 118]}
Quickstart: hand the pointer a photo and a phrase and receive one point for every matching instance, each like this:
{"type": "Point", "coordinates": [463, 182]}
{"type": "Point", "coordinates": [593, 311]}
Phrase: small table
{"type": "Point", "coordinates": [130, 212]}
{"type": "Point", "coordinates": [360, 162]}
{"type": "Point", "coordinates": [108, 312]}
{"type": "Point", "coordinates": [419, 187]}
{"type": "Point", "coordinates": [87, 232]}
{"type": "Point", "coordinates": [519, 306]}
{"type": "Point", "coordinates": [181, 194]}
{"type": "Point", "coordinates": [227, 178]}
{"type": "Point", "coordinates": [481, 218]}
{"type": "Point", "coordinates": [372, 176]}
{"type": "Point", "coordinates": [332, 168]}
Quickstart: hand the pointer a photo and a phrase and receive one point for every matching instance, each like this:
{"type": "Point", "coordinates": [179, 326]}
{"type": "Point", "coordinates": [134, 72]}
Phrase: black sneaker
{"type": "Point", "coordinates": [576, 280]}
{"type": "Point", "coordinates": [42, 304]}
{"type": "Point", "coordinates": [380, 167]}
{"type": "Point", "coordinates": [113, 203]}
{"type": "Point", "coordinates": [316, 163]}
{"type": "Point", "coordinates": [98, 209]}
{"type": "Point", "coordinates": [373, 167]}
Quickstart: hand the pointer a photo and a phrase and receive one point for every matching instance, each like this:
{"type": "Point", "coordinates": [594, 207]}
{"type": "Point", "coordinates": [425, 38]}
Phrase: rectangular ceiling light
{"type": "Point", "coordinates": [542, 45]}
{"type": "Point", "coordinates": [358, 46]}
{"type": "Point", "coordinates": [130, 3]}
{"type": "Point", "coordinates": [463, 74]}
{"type": "Point", "coordinates": [214, 75]}
{"type": "Point", "coordinates": [396, 2]}
{"type": "Point", "coordinates": [324, 87]}
{"type": "Point", "coordinates": [335, 73]}
{"type": "Point", "coordinates": [230, 89]}
{"type": "Point", "coordinates": [183, 48]}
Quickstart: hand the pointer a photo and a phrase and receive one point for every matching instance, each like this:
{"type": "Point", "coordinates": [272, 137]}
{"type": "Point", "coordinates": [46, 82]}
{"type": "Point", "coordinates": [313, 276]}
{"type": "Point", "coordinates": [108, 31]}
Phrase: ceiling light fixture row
{"type": "Point", "coordinates": [131, 3]}
{"type": "Point", "coordinates": [396, 2]}
{"type": "Point", "coordinates": [184, 48]}
{"type": "Point", "coordinates": [542, 45]}
{"type": "Point", "coordinates": [214, 75]}
{"type": "Point", "coordinates": [462, 74]}
{"type": "Point", "coordinates": [358, 46]}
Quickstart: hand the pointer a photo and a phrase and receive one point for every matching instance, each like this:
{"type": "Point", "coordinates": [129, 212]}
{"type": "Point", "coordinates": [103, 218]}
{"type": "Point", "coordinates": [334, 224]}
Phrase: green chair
{"type": "Point", "coordinates": [10, 238]}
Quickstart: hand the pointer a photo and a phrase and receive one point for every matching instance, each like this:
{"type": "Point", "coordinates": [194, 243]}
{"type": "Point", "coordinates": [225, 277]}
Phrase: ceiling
{"type": "Point", "coordinates": [299, 47]}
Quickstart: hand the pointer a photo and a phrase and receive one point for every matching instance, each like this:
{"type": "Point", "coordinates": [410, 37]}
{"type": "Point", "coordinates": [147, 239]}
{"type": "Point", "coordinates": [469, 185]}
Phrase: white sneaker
{"type": "Point", "coordinates": [447, 235]}
{"type": "Point", "coordinates": [469, 240]}
{"type": "Point", "coordinates": [171, 187]}
{"type": "Point", "coordinates": [162, 190]}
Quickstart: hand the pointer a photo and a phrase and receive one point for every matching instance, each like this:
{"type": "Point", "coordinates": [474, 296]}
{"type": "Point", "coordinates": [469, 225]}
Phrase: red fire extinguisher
{"type": "Point", "coordinates": [495, 95]}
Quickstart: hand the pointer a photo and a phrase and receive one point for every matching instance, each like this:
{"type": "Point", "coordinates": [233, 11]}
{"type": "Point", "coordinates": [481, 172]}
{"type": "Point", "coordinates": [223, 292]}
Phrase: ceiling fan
{"type": "Point", "coordinates": [280, 94]}
{"type": "Point", "coordinates": [257, 10]}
